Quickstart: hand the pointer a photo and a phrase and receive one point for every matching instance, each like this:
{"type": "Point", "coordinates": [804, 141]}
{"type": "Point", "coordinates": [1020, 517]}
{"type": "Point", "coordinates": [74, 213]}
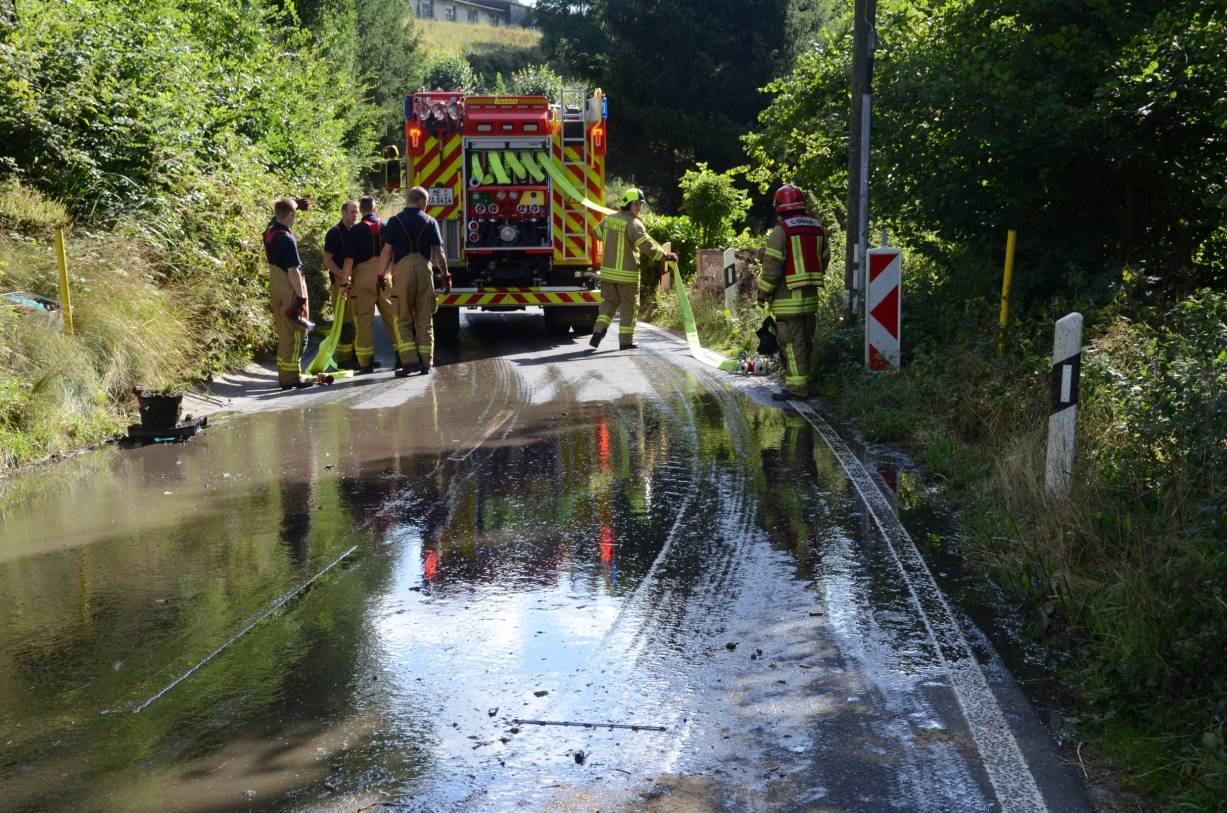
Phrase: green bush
{"type": "Point", "coordinates": [451, 72]}
{"type": "Point", "coordinates": [714, 203]}
{"type": "Point", "coordinates": [536, 80]}
{"type": "Point", "coordinates": [679, 230]}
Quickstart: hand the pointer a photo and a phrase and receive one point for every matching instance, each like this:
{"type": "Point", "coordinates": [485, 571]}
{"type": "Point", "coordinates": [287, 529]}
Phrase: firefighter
{"type": "Point", "coordinates": [288, 290]}
{"type": "Point", "coordinates": [334, 258]}
{"type": "Point", "coordinates": [626, 239]}
{"type": "Point", "coordinates": [797, 254]}
{"type": "Point", "coordinates": [368, 284]}
{"type": "Point", "coordinates": [413, 249]}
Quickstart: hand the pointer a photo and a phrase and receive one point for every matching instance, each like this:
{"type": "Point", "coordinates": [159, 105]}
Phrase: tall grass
{"type": "Point", "coordinates": [444, 37]}
{"type": "Point", "coordinates": [59, 392]}
{"type": "Point", "coordinates": [1125, 582]}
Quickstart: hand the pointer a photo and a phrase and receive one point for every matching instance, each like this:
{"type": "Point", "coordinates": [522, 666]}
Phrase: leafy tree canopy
{"type": "Point", "coordinates": [1097, 130]}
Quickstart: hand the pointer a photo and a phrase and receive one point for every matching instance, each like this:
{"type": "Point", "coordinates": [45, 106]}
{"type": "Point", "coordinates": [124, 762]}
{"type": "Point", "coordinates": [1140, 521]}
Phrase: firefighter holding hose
{"type": "Point", "coordinates": [626, 241]}
{"type": "Point", "coordinates": [797, 254]}
{"type": "Point", "coordinates": [334, 259]}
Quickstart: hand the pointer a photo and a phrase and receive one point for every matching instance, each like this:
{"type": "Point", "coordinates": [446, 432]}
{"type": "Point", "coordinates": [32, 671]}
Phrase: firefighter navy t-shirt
{"type": "Point", "coordinates": [412, 230]}
{"type": "Point", "coordinates": [334, 243]}
{"type": "Point", "coordinates": [280, 246]}
{"type": "Point", "coordinates": [362, 241]}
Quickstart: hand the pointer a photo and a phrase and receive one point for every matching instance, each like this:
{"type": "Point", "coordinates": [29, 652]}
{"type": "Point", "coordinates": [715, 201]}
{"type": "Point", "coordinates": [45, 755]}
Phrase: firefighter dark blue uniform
{"type": "Point", "coordinates": [368, 288]}
{"type": "Point", "coordinates": [281, 254]}
{"type": "Point", "coordinates": [415, 239]}
{"type": "Point", "coordinates": [334, 244]}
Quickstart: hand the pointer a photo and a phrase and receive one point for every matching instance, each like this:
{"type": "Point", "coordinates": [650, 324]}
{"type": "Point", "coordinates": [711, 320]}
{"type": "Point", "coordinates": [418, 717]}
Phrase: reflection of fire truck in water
{"type": "Point", "coordinates": [509, 178]}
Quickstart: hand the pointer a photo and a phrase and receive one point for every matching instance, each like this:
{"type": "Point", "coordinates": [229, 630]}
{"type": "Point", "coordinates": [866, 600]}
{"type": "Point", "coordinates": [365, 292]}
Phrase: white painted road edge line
{"type": "Point", "coordinates": [1003, 760]}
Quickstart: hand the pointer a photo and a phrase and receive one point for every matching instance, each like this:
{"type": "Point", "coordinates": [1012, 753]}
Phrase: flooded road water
{"type": "Point", "coordinates": [534, 534]}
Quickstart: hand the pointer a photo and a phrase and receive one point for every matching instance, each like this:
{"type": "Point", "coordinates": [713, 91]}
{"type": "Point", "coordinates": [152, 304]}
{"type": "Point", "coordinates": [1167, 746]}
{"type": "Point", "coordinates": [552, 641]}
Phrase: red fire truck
{"type": "Point", "coordinates": [517, 184]}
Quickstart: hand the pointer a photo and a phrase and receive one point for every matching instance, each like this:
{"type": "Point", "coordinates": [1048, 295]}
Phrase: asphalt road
{"type": "Point", "coordinates": [371, 596]}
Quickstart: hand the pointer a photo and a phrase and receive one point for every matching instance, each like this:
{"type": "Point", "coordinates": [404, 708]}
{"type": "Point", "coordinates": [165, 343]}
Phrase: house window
{"type": "Point", "coordinates": [426, 9]}
{"type": "Point", "coordinates": [450, 13]}
{"type": "Point", "coordinates": [472, 16]}
{"type": "Point", "coordinates": [494, 20]}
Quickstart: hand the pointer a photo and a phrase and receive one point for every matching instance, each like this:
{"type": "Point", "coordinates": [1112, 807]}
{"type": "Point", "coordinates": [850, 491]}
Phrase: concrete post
{"type": "Point", "coordinates": [730, 277]}
{"type": "Point", "coordinates": [1066, 371]}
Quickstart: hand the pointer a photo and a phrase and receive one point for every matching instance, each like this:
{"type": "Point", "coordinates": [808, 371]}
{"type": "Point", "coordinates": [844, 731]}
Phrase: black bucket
{"type": "Point", "coordinates": [159, 410]}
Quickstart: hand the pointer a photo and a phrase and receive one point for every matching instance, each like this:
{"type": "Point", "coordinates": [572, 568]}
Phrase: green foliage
{"type": "Point", "coordinates": [682, 77]}
{"type": "Point", "coordinates": [58, 392]}
{"type": "Point", "coordinates": [990, 115]}
{"type": "Point", "coordinates": [1160, 391]}
{"type": "Point", "coordinates": [572, 34]}
{"type": "Point", "coordinates": [714, 203]}
{"type": "Point", "coordinates": [682, 232]}
{"type": "Point", "coordinates": [1129, 576]}
{"type": "Point", "coordinates": [536, 80]}
{"type": "Point", "coordinates": [167, 128]}
{"type": "Point", "coordinates": [451, 72]}
{"type": "Point", "coordinates": [27, 210]}
{"type": "Point", "coordinates": [389, 56]}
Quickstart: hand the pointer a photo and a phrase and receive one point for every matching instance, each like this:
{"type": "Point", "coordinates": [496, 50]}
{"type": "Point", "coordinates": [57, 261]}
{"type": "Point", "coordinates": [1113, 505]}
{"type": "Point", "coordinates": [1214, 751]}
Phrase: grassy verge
{"type": "Point", "coordinates": [136, 322]}
{"type": "Point", "coordinates": [1125, 582]}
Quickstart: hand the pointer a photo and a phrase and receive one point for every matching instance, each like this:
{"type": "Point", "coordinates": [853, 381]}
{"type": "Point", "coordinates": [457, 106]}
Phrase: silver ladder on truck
{"type": "Point", "coordinates": [575, 163]}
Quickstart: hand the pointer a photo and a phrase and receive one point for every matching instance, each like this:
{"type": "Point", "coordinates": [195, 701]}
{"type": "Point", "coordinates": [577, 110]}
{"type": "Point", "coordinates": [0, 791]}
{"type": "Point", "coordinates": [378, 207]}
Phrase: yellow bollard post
{"type": "Point", "coordinates": [61, 256]}
{"type": "Point", "coordinates": [1004, 317]}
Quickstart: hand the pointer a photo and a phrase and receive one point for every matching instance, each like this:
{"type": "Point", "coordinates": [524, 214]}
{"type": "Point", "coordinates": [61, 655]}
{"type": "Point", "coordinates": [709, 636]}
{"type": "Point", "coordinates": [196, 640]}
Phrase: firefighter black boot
{"type": "Point", "coordinates": [597, 335]}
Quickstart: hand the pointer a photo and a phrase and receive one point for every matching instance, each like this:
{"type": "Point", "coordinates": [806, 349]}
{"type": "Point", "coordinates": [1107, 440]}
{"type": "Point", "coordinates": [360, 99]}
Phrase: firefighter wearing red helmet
{"type": "Point", "coordinates": [797, 254]}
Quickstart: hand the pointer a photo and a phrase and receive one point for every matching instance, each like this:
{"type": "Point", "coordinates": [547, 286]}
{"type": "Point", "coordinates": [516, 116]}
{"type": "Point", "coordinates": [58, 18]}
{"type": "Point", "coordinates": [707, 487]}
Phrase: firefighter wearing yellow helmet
{"type": "Point", "coordinates": [626, 240]}
{"type": "Point", "coordinates": [797, 254]}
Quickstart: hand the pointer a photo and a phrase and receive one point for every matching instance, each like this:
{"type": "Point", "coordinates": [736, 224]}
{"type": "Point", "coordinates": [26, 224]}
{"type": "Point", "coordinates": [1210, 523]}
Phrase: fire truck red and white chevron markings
{"type": "Point", "coordinates": [512, 298]}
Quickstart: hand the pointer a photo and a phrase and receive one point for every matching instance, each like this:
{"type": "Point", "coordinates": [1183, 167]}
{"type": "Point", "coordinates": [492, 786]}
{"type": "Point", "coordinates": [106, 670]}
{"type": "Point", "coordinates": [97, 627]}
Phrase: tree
{"type": "Point", "coordinates": [714, 203]}
{"type": "Point", "coordinates": [451, 72]}
{"type": "Point", "coordinates": [536, 80]}
{"type": "Point", "coordinates": [571, 34]}
{"type": "Point", "coordinates": [389, 57]}
{"type": "Point", "coordinates": [1091, 128]}
{"type": "Point", "coordinates": [682, 76]}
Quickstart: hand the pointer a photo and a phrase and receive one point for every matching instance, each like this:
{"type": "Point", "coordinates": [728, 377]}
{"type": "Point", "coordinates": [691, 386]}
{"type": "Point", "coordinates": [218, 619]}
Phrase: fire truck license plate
{"type": "Point", "coordinates": [440, 196]}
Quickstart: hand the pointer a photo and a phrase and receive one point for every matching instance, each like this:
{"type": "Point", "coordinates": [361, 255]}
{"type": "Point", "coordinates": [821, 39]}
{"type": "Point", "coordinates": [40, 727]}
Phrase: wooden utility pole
{"type": "Point", "coordinates": [857, 240]}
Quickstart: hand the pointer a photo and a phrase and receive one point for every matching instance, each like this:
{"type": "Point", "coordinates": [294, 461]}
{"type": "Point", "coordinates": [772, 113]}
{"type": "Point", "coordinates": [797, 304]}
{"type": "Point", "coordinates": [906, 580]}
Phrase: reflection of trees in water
{"type": "Point", "coordinates": [575, 502]}
{"type": "Point", "coordinates": [788, 508]}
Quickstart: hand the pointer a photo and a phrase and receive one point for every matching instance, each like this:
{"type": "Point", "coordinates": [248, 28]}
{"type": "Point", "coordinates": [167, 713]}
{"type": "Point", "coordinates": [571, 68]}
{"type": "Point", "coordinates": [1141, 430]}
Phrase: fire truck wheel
{"type": "Point", "coordinates": [447, 321]}
{"type": "Point", "coordinates": [583, 320]}
{"type": "Point", "coordinates": [556, 321]}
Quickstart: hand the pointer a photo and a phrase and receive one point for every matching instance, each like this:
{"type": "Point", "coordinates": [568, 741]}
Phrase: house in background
{"type": "Point", "coordinates": [490, 12]}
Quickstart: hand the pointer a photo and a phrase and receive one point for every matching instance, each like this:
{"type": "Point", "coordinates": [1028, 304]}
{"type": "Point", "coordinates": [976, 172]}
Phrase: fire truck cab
{"type": "Point", "coordinates": [513, 181]}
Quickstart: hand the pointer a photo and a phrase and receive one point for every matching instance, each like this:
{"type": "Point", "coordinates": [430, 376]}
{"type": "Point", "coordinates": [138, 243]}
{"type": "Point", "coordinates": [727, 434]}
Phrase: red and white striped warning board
{"type": "Point", "coordinates": [883, 309]}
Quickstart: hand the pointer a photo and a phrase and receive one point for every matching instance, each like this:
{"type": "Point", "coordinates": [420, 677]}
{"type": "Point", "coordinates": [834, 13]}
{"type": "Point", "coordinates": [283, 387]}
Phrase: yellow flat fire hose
{"type": "Point", "coordinates": [475, 176]}
{"type": "Point", "coordinates": [496, 166]}
{"type": "Point", "coordinates": [324, 362]}
{"type": "Point", "coordinates": [530, 164]}
{"type": "Point", "coordinates": [513, 163]}
{"type": "Point", "coordinates": [563, 183]}
{"type": "Point", "coordinates": [708, 357]}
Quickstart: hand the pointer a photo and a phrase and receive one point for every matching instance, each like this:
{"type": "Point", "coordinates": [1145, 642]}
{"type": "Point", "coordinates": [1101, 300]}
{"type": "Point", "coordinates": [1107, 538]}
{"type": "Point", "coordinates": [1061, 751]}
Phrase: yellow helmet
{"type": "Point", "coordinates": [632, 195]}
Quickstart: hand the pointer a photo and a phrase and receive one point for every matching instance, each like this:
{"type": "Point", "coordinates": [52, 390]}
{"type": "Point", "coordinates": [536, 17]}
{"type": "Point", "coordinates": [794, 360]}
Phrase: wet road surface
{"type": "Point", "coordinates": [530, 533]}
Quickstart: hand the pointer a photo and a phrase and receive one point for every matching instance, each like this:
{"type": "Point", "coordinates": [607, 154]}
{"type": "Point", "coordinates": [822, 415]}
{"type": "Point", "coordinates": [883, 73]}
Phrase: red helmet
{"type": "Point", "coordinates": [789, 198]}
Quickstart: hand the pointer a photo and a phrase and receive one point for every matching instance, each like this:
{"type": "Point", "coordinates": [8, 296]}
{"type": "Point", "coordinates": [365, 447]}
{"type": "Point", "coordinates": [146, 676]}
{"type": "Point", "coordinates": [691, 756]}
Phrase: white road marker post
{"type": "Point", "coordinates": [730, 278]}
{"type": "Point", "coordinates": [1066, 371]}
